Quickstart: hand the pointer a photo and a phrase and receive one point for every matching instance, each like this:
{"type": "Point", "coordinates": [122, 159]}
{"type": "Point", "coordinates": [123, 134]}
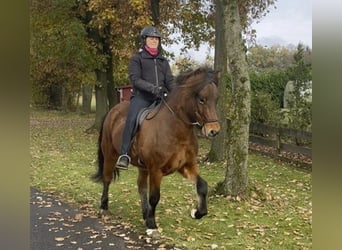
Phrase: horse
{"type": "Point", "coordinates": [165, 142]}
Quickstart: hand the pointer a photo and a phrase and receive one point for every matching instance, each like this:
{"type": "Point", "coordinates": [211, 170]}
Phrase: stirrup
{"type": "Point", "coordinates": [123, 163]}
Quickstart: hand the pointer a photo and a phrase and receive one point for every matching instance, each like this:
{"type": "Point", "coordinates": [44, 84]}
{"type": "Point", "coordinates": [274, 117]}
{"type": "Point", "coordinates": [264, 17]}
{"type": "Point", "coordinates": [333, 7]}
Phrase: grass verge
{"type": "Point", "coordinates": [63, 158]}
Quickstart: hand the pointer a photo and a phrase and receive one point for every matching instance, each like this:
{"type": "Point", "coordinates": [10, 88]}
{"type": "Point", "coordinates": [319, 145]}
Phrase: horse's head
{"type": "Point", "coordinates": [206, 114]}
{"type": "Point", "coordinates": [201, 93]}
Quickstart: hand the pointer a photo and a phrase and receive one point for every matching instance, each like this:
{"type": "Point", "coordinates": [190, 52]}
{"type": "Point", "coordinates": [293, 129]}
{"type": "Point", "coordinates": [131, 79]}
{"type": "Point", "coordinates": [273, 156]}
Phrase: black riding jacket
{"type": "Point", "coordinates": [147, 71]}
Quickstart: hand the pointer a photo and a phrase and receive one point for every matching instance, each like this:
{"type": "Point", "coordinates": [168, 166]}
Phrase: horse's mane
{"type": "Point", "coordinates": [208, 75]}
{"type": "Point", "coordinates": [196, 79]}
{"type": "Point", "coordinates": [189, 83]}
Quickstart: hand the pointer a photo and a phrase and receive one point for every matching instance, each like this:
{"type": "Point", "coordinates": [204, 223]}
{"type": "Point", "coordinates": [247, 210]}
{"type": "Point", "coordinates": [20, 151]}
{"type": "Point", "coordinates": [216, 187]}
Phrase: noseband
{"type": "Point", "coordinates": [204, 121]}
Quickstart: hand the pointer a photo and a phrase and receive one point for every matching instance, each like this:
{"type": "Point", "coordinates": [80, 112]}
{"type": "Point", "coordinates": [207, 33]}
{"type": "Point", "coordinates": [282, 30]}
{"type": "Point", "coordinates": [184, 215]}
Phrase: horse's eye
{"type": "Point", "coordinates": [201, 100]}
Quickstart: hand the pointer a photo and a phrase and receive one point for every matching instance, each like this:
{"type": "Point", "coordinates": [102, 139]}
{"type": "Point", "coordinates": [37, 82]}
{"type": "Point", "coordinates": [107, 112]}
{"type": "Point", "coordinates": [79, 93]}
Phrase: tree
{"type": "Point", "coordinates": [60, 55]}
{"type": "Point", "coordinates": [180, 24]}
{"type": "Point", "coordinates": [237, 16]}
{"type": "Point", "coordinates": [108, 33]}
{"type": "Point", "coordinates": [116, 38]}
{"type": "Point", "coordinates": [300, 105]}
{"type": "Point", "coordinates": [263, 59]}
{"type": "Point", "coordinates": [236, 174]}
{"type": "Point", "coordinates": [107, 36]}
{"type": "Point", "coordinates": [87, 95]}
{"type": "Point", "coordinates": [218, 146]}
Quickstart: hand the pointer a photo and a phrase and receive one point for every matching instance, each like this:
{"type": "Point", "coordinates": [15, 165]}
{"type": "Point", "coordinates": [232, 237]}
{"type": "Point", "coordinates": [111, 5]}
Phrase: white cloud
{"type": "Point", "coordinates": [290, 22]}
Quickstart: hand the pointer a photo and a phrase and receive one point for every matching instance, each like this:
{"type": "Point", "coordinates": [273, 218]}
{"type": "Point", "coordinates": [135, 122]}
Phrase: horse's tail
{"type": "Point", "coordinates": [98, 176]}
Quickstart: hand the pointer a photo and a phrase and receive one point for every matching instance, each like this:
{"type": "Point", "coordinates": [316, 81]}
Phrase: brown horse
{"type": "Point", "coordinates": [165, 142]}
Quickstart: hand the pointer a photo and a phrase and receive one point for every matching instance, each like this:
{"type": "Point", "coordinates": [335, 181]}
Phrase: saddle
{"type": "Point", "coordinates": [142, 115]}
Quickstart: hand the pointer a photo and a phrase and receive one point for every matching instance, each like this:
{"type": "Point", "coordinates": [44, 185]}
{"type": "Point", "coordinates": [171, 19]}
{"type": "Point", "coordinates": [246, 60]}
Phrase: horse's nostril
{"type": "Point", "coordinates": [213, 133]}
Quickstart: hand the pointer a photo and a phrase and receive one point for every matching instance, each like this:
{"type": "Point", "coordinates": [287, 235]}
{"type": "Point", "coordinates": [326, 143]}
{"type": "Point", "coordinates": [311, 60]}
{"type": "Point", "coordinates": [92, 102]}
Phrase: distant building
{"type": "Point", "coordinates": [124, 93]}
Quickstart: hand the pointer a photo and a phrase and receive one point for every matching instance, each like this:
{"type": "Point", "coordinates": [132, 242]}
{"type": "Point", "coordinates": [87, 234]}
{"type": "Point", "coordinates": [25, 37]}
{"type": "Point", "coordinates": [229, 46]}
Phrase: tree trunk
{"type": "Point", "coordinates": [102, 75]}
{"type": "Point", "coordinates": [87, 94]}
{"type": "Point", "coordinates": [236, 179]}
{"type": "Point", "coordinates": [218, 145]}
{"type": "Point", "coordinates": [155, 11]}
{"type": "Point", "coordinates": [101, 99]}
{"type": "Point", "coordinates": [64, 99]}
{"type": "Point", "coordinates": [111, 93]}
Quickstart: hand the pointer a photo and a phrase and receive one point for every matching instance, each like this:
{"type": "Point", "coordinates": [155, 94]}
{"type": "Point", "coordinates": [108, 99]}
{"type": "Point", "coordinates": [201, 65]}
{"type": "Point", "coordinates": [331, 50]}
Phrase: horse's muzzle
{"type": "Point", "coordinates": [211, 129]}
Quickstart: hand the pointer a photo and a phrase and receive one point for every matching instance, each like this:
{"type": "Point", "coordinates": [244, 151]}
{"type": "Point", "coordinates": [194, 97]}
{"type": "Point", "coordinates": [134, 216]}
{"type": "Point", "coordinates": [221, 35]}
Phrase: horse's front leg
{"type": "Point", "coordinates": [201, 185]}
{"type": "Point", "coordinates": [142, 189]}
{"type": "Point", "coordinates": [202, 190]}
{"type": "Point", "coordinates": [154, 196]}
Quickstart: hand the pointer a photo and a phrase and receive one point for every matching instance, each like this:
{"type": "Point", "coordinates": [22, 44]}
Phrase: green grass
{"type": "Point", "coordinates": [63, 158]}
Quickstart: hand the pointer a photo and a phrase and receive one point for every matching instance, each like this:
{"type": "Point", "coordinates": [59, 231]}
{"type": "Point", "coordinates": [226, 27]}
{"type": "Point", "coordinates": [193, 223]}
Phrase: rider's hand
{"type": "Point", "coordinates": [160, 91]}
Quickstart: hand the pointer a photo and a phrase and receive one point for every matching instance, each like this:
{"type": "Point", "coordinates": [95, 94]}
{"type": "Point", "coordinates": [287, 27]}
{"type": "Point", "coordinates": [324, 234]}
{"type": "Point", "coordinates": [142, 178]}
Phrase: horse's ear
{"type": "Point", "coordinates": [217, 74]}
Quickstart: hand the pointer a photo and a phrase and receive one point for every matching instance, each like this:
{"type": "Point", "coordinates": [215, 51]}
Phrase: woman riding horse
{"type": "Point", "coordinates": [166, 142]}
{"type": "Point", "coordinates": [151, 77]}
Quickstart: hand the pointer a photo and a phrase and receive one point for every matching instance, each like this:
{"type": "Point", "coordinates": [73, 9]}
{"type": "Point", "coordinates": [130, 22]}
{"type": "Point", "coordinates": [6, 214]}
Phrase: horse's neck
{"type": "Point", "coordinates": [175, 114]}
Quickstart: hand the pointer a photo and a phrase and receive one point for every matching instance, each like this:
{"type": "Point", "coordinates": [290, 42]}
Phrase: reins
{"type": "Point", "coordinates": [179, 117]}
{"type": "Point", "coordinates": [173, 113]}
{"type": "Point", "coordinates": [186, 122]}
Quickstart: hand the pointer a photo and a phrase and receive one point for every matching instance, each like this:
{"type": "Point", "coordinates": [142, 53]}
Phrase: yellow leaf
{"type": "Point", "coordinates": [78, 217]}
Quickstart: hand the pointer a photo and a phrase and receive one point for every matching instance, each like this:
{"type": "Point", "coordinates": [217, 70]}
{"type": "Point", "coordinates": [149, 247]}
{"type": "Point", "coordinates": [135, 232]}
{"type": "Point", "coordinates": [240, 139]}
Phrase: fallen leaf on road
{"type": "Point", "coordinates": [78, 217]}
{"type": "Point", "coordinates": [67, 225]}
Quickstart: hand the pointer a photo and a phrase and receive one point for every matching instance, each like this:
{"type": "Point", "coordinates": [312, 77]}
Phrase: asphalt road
{"type": "Point", "coordinates": [57, 225]}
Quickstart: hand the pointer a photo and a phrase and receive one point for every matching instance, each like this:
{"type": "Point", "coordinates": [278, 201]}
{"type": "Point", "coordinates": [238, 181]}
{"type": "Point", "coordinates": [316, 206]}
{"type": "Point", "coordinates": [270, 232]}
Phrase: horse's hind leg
{"type": "Point", "coordinates": [104, 198]}
{"type": "Point", "coordinates": [107, 178]}
{"type": "Point", "coordinates": [201, 185]}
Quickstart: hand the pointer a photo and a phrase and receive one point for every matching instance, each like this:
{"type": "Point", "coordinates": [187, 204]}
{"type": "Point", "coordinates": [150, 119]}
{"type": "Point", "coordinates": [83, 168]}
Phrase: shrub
{"type": "Point", "coordinates": [272, 82]}
{"type": "Point", "coordinates": [264, 109]}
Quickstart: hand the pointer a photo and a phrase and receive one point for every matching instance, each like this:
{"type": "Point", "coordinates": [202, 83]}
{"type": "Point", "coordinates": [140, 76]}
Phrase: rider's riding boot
{"type": "Point", "coordinates": [123, 162]}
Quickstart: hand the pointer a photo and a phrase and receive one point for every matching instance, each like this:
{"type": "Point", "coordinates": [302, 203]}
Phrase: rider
{"type": "Point", "coordinates": [151, 77]}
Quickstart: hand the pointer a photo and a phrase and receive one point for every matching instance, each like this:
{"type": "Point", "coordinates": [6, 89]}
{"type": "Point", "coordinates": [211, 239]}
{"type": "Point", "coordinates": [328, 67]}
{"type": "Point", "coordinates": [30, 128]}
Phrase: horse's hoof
{"type": "Point", "coordinates": [196, 215]}
{"type": "Point", "coordinates": [193, 213]}
{"type": "Point", "coordinates": [153, 233]}
{"type": "Point", "coordinates": [105, 215]}
{"type": "Point", "coordinates": [104, 212]}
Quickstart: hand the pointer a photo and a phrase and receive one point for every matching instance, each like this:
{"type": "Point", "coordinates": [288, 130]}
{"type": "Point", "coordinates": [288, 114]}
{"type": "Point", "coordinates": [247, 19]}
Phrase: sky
{"type": "Point", "coordinates": [290, 23]}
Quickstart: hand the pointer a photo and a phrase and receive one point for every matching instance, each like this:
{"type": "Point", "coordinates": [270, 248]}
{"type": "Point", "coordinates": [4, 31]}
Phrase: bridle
{"type": "Point", "coordinates": [196, 123]}
{"type": "Point", "coordinates": [205, 121]}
